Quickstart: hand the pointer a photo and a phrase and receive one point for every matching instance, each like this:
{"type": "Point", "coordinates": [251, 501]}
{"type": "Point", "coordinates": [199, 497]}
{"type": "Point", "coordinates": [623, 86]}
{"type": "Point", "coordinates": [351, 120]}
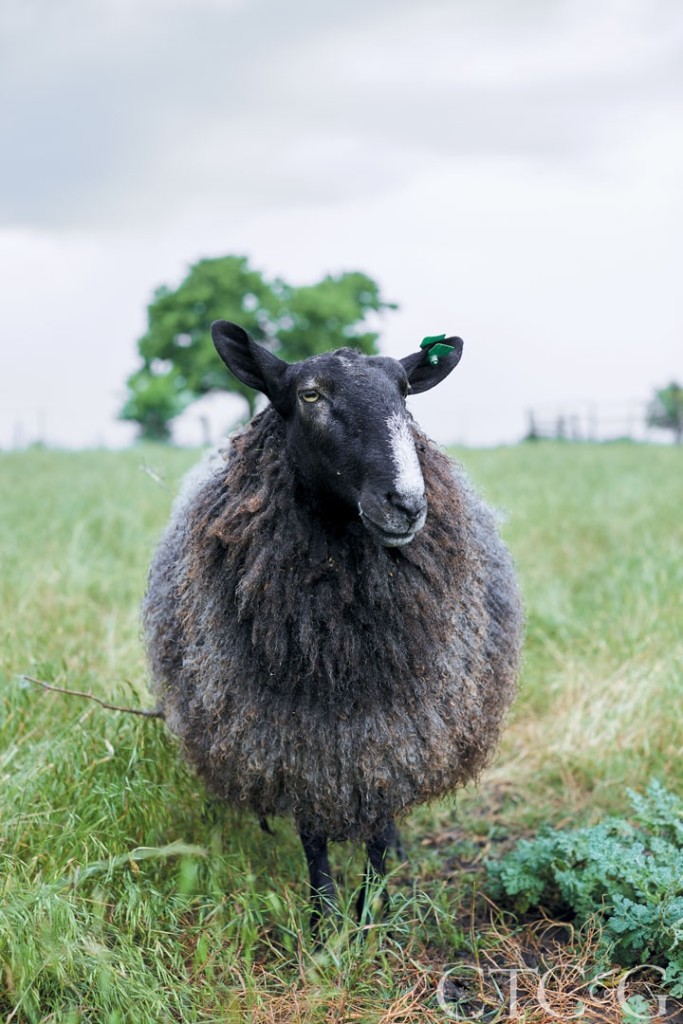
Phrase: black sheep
{"type": "Point", "coordinates": [333, 624]}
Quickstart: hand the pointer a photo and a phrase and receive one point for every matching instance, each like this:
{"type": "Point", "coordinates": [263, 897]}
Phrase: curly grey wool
{"type": "Point", "coordinates": [309, 670]}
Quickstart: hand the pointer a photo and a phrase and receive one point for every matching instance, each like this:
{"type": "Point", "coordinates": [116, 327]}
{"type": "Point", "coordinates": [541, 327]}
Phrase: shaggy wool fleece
{"type": "Point", "coordinates": [309, 671]}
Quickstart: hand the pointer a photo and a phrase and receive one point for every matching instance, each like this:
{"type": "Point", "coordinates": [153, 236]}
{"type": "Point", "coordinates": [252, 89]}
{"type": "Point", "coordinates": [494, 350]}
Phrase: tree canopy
{"type": "Point", "coordinates": [179, 362]}
{"type": "Point", "coordinates": [666, 410]}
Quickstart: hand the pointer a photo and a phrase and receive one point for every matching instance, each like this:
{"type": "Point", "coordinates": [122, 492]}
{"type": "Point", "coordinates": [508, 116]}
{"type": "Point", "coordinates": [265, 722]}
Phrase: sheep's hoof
{"type": "Point", "coordinates": [370, 909]}
{"type": "Point", "coordinates": [326, 921]}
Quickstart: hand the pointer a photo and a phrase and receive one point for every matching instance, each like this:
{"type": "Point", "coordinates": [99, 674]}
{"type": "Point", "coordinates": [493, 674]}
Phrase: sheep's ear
{"type": "Point", "coordinates": [428, 367]}
{"type": "Point", "coordinates": [251, 363]}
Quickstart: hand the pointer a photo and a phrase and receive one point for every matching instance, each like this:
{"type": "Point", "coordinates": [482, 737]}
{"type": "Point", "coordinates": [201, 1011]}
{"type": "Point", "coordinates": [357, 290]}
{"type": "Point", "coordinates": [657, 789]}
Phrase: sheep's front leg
{"type": "Point", "coordinates": [378, 848]}
{"type": "Point", "coordinates": [323, 890]}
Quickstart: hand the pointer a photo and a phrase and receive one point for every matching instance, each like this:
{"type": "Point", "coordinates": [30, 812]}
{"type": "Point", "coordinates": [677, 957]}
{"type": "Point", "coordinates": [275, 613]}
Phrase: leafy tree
{"type": "Point", "coordinates": [179, 362]}
{"type": "Point", "coordinates": [666, 410]}
{"type": "Point", "coordinates": [154, 398]}
{"type": "Point", "coordinates": [328, 315]}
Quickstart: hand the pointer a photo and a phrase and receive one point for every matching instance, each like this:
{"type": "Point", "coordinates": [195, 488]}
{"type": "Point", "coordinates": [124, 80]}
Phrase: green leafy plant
{"type": "Point", "coordinates": [627, 874]}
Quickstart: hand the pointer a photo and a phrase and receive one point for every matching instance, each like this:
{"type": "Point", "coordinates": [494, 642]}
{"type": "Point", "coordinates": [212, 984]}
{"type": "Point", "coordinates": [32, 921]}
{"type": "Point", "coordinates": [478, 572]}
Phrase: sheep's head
{"type": "Point", "coordinates": [348, 430]}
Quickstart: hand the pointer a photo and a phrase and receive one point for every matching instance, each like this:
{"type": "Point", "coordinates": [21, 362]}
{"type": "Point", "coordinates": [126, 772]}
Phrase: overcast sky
{"type": "Point", "coordinates": [508, 170]}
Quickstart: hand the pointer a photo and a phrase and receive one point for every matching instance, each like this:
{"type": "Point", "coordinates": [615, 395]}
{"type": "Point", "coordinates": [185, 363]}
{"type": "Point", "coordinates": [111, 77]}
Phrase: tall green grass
{"type": "Point", "coordinates": [126, 895]}
{"type": "Point", "coordinates": [597, 532]}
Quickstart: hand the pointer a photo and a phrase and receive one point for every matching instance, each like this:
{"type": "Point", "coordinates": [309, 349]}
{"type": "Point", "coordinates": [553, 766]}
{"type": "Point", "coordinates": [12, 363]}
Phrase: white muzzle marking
{"type": "Point", "coordinates": [408, 481]}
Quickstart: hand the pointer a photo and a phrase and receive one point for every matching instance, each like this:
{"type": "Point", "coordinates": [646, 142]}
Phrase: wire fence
{"type": "Point", "coordinates": [582, 421]}
{"type": "Point", "coordinates": [592, 422]}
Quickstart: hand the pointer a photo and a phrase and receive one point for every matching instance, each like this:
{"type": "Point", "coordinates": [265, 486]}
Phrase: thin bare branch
{"type": "Point", "coordinates": [152, 713]}
{"type": "Point", "coordinates": [154, 476]}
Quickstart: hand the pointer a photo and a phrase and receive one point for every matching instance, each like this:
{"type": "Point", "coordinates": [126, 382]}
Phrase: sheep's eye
{"type": "Point", "coordinates": [309, 395]}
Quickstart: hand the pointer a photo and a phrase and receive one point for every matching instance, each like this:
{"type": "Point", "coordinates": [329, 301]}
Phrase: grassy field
{"type": "Point", "coordinates": [125, 895]}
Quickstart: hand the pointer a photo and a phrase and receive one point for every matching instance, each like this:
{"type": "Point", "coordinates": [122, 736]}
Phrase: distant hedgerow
{"type": "Point", "coordinates": [628, 875]}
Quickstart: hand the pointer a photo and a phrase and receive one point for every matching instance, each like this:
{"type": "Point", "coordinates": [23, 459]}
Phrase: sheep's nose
{"type": "Point", "coordinates": [412, 506]}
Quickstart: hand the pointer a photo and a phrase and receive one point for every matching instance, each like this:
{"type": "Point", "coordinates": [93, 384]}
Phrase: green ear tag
{"type": "Point", "coordinates": [431, 340]}
{"type": "Point", "coordinates": [436, 350]}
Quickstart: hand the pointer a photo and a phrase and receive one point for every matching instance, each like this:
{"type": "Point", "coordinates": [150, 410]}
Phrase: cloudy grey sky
{"type": "Point", "coordinates": [509, 170]}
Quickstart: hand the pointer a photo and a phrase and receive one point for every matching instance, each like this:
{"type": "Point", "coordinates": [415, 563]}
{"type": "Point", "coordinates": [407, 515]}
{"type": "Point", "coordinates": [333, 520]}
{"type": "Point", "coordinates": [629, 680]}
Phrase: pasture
{"type": "Point", "coordinates": [127, 895]}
